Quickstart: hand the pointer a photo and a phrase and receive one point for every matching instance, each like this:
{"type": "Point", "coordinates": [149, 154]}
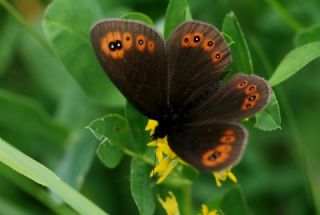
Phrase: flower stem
{"type": "Point", "coordinates": [136, 155]}
{"type": "Point", "coordinates": [187, 203]}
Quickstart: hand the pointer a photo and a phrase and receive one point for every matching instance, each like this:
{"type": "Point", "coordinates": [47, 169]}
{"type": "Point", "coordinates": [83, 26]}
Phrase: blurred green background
{"type": "Point", "coordinates": [44, 111]}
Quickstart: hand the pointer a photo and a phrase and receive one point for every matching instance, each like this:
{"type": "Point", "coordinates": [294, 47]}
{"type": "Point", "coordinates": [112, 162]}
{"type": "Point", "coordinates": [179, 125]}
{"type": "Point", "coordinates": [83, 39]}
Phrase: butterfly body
{"type": "Point", "coordinates": [177, 83]}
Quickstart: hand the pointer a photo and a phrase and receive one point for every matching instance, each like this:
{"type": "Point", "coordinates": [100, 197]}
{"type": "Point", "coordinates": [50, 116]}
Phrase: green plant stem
{"type": "Point", "coordinates": [275, 5]}
{"type": "Point", "coordinates": [11, 10]}
{"type": "Point", "coordinates": [187, 203]}
{"type": "Point", "coordinates": [138, 156]}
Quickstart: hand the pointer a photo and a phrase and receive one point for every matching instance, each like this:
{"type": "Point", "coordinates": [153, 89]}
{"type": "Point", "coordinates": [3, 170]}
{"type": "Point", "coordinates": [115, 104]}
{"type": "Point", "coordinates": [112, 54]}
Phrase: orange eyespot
{"type": "Point", "coordinates": [253, 97]}
{"type": "Point", "coordinates": [227, 139]}
{"type": "Point", "coordinates": [216, 156]}
{"type": "Point", "coordinates": [248, 105]}
{"type": "Point", "coordinates": [250, 89]}
{"type": "Point", "coordinates": [242, 84]}
{"type": "Point", "coordinates": [112, 45]}
{"type": "Point", "coordinates": [186, 40]}
{"type": "Point", "coordinates": [196, 39]}
{"type": "Point", "coordinates": [208, 45]}
{"type": "Point", "coordinates": [151, 46]}
{"type": "Point", "coordinates": [141, 42]}
{"type": "Point", "coordinates": [217, 56]}
{"type": "Point", "coordinates": [127, 41]}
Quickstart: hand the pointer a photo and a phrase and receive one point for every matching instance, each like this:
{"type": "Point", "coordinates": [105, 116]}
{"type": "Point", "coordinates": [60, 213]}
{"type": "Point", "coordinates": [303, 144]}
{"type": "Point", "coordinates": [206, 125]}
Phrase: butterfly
{"type": "Point", "coordinates": [178, 83]}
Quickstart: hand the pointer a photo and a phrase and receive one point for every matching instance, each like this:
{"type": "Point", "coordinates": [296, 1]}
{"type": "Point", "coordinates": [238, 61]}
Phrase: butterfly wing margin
{"type": "Point", "coordinates": [210, 146]}
{"type": "Point", "coordinates": [139, 67]}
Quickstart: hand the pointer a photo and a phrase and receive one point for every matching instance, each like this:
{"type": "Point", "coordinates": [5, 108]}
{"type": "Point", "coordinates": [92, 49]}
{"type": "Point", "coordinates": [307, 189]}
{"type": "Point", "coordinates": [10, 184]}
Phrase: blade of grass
{"type": "Point", "coordinates": [43, 176]}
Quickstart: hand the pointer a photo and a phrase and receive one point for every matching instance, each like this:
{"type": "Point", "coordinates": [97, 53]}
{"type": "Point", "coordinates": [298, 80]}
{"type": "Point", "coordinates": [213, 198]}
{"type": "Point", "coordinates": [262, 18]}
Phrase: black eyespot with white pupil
{"type": "Point", "coordinates": [112, 46]}
{"type": "Point", "coordinates": [214, 155]}
{"type": "Point", "coordinates": [218, 56]}
{"type": "Point", "coordinates": [210, 43]}
{"type": "Point", "coordinates": [140, 42]}
{"type": "Point", "coordinates": [251, 98]}
{"type": "Point", "coordinates": [196, 39]}
{"type": "Point", "coordinates": [118, 44]}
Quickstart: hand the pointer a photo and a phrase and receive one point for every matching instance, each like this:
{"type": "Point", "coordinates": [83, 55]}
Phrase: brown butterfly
{"type": "Point", "coordinates": [177, 83]}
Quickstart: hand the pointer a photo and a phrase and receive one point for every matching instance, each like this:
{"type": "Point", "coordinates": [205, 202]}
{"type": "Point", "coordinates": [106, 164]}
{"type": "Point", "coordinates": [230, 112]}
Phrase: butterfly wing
{"type": "Point", "coordinates": [241, 97]}
{"type": "Point", "coordinates": [133, 56]}
{"type": "Point", "coordinates": [198, 57]}
{"type": "Point", "coordinates": [211, 146]}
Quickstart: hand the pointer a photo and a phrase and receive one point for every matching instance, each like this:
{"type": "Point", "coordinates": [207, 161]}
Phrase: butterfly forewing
{"type": "Point", "coordinates": [198, 56]}
{"type": "Point", "coordinates": [241, 97]}
{"type": "Point", "coordinates": [133, 56]}
{"type": "Point", "coordinates": [211, 146]}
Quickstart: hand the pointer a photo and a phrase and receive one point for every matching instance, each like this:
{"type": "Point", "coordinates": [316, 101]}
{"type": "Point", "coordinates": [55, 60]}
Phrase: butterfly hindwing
{"type": "Point", "coordinates": [239, 98]}
{"type": "Point", "coordinates": [133, 56]}
{"type": "Point", "coordinates": [211, 146]}
{"type": "Point", "coordinates": [198, 56]}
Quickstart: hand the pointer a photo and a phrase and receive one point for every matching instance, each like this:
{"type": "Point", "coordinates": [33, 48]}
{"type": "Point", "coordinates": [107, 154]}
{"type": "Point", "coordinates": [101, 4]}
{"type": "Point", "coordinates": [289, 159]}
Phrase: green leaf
{"type": "Point", "coordinates": [137, 123]}
{"type": "Point", "coordinates": [141, 187]}
{"type": "Point", "coordinates": [140, 17]}
{"type": "Point", "coordinates": [42, 175]}
{"type": "Point", "coordinates": [177, 12]}
{"type": "Point", "coordinates": [294, 61]}
{"type": "Point", "coordinates": [307, 35]}
{"type": "Point", "coordinates": [240, 51]}
{"type": "Point", "coordinates": [67, 25]}
{"type": "Point", "coordinates": [112, 131]}
{"type": "Point", "coordinates": [234, 202]}
{"type": "Point", "coordinates": [269, 119]}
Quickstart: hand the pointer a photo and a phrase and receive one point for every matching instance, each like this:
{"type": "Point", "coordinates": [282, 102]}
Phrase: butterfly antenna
{"type": "Point", "coordinates": [129, 129]}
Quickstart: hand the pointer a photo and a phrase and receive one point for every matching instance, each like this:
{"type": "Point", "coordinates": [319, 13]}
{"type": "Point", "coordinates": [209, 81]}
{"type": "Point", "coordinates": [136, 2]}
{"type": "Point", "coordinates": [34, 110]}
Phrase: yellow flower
{"type": "Point", "coordinates": [171, 207]}
{"type": "Point", "coordinates": [151, 125]}
{"type": "Point", "coordinates": [166, 158]}
{"type": "Point", "coordinates": [223, 176]}
{"type": "Point", "coordinates": [170, 204]}
{"type": "Point", "coordinates": [205, 211]}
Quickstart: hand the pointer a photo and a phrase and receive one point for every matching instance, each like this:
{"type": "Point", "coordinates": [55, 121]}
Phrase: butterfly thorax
{"type": "Point", "coordinates": [171, 121]}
